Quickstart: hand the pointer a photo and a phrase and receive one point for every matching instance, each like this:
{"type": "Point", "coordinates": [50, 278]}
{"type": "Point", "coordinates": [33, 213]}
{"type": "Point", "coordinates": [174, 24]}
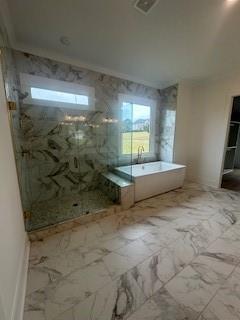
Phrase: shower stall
{"type": "Point", "coordinates": [71, 126]}
{"type": "Point", "coordinates": [68, 140]}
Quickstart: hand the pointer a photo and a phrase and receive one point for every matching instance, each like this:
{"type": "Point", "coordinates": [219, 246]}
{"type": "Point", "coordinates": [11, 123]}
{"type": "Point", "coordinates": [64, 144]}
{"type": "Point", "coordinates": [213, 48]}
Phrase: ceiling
{"type": "Point", "coordinates": [177, 40]}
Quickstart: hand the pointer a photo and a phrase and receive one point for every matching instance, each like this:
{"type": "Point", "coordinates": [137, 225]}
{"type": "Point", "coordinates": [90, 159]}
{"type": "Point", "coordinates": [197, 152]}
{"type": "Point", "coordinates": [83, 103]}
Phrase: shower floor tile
{"type": "Point", "coordinates": [51, 212]}
{"type": "Point", "coordinates": [131, 266]}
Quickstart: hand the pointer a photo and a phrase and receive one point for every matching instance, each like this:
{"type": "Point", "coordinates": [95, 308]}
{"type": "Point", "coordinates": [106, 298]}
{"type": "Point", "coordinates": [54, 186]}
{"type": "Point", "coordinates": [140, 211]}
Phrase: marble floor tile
{"type": "Point", "coordinates": [148, 311]}
{"type": "Point", "coordinates": [226, 303]}
{"type": "Point", "coordinates": [121, 260]}
{"type": "Point", "coordinates": [67, 240]}
{"type": "Point", "coordinates": [68, 261]}
{"type": "Point", "coordinates": [190, 289]}
{"type": "Point", "coordinates": [225, 249]}
{"type": "Point", "coordinates": [213, 269]}
{"type": "Point", "coordinates": [182, 252]}
{"type": "Point", "coordinates": [68, 291]}
{"type": "Point", "coordinates": [232, 234]}
{"type": "Point", "coordinates": [133, 232]}
{"type": "Point", "coordinates": [171, 309]}
{"type": "Point", "coordinates": [171, 257]}
{"type": "Point", "coordinates": [117, 300]}
{"type": "Point", "coordinates": [118, 264]}
{"type": "Point", "coordinates": [160, 238]}
{"type": "Point", "coordinates": [147, 274]}
{"type": "Point", "coordinates": [136, 250]}
{"type": "Point", "coordinates": [115, 242]}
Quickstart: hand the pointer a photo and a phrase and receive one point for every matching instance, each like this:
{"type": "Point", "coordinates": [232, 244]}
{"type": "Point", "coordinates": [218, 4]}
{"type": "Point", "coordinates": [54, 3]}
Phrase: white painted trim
{"type": "Point", "coordinates": [225, 141]}
{"type": "Point", "coordinates": [202, 180]}
{"type": "Point", "coordinates": [21, 284]}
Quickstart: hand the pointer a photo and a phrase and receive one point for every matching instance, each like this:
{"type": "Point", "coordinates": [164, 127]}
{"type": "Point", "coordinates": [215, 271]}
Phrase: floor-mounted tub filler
{"type": "Point", "coordinates": [153, 178]}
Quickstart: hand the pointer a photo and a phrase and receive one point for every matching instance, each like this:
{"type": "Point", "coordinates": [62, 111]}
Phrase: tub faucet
{"type": "Point", "coordinates": [140, 152]}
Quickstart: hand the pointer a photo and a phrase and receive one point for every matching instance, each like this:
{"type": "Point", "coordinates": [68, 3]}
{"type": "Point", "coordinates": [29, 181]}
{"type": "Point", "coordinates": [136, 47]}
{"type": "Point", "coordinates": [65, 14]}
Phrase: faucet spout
{"type": "Point", "coordinates": [140, 152]}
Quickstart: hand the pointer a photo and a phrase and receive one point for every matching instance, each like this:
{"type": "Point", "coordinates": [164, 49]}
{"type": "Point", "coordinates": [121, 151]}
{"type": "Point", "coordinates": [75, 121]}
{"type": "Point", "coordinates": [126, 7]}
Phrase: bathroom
{"type": "Point", "coordinates": [119, 162]}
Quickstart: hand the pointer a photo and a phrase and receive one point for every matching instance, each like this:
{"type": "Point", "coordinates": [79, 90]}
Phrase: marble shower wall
{"type": "Point", "coordinates": [65, 159]}
{"type": "Point", "coordinates": [55, 160]}
{"type": "Point", "coordinates": [167, 122]}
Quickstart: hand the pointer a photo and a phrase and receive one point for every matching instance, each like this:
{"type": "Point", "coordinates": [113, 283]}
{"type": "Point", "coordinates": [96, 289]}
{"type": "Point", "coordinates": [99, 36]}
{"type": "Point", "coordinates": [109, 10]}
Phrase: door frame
{"type": "Point", "coordinates": [230, 108]}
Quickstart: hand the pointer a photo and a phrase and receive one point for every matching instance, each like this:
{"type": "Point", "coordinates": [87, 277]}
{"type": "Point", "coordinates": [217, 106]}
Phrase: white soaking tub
{"type": "Point", "coordinates": [153, 178]}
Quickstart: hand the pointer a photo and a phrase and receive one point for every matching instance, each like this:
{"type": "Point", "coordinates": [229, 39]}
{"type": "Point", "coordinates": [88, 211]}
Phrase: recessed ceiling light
{"type": "Point", "coordinates": [65, 41]}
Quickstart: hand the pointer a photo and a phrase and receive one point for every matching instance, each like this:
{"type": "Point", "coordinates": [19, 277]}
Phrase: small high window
{"type": "Point", "coordinates": [55, 93]}
{"type": "Point", "coordinates": [51, 95]}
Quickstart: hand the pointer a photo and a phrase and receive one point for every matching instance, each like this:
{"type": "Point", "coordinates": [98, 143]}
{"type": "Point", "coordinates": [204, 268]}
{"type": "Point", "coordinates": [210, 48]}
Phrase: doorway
{"type": "Point", "coordinates": [231, 170]}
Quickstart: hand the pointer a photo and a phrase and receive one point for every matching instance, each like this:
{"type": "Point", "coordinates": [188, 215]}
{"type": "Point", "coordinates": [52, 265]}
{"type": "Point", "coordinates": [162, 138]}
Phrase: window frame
{"type": "Point", "coordinates": [145, 102]}
{"type": "Point", "coordinates": [29, 81]}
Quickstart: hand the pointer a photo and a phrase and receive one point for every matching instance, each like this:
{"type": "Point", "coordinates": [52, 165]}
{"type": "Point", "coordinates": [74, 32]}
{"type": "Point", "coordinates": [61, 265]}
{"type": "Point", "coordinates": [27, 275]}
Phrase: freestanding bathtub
{"type": "Point", "coordinates": [153, 178]}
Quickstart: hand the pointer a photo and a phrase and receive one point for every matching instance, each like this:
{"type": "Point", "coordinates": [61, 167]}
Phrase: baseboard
{"type": "Point", "coordinates": [20, 292]}
{"type": "Point", "coordinates": [203, 180]}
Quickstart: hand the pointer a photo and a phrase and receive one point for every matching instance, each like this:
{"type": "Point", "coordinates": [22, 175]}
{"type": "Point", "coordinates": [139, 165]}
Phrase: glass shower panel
{"type": "Point", "coordinates": [67, 150]}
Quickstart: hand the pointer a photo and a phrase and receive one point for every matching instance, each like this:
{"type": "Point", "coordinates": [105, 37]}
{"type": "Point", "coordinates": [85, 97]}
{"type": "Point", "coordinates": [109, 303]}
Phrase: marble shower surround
{"type": "Point", "coordinates": [57, 164]}
{"type": "Point", "coordinates": [54, 163]}
{"type": "Point", "coordinates": [167, 123]}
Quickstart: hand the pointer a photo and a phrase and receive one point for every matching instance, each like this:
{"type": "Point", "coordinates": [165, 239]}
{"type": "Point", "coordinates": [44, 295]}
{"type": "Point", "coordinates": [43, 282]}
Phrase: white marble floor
{"type": "Point", "coordinates": [172, 257]}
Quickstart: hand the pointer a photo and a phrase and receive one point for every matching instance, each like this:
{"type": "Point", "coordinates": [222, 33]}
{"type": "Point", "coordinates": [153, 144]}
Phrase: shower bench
{"type": "Point", "coordinates": [120, 190]}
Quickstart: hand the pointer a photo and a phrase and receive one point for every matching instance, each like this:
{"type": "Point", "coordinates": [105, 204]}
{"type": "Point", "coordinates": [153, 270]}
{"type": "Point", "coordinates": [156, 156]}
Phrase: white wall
{"type": "Point", "coordinates": [203, 125]}
{"type": "Point", "coordinates": [12, 233]}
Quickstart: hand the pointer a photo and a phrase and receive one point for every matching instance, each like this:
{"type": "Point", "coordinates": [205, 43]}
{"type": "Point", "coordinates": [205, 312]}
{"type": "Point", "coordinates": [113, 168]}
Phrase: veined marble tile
{"type": "Point", "coordinates": [168, 214]}
{"type": "Point", "coordinates": [170, 308]}
{"type": "Point", "coordinates": [125, 258]}
{"type": "Point", "coordinates": [133, 232]}
{"type": "Point", "coordinates": [232, 234]}
{"type": "Point", "coordinates": [67, 262]}
{"type": "Point", "coordinates": [201, 235]}
{"type": "Point", "coordinates": [147, 274]}
{"type": "Point", "coordinates": [213, 269]}
{"type": "Point", "coordinates": [156, 221]}
{"type": "Point", "coordinates": [202, 318]}
{"type": "Point", "coordinates": [161, 238]}
{"type": "Point", "coordinates": [110, 243]}
{"type": "Point", "coordinates": [117, 300]}
{"type": "Point", "coordinates": [40, 277]}
{"type": "Point", "coordinates": [190, 289]}
{"type": "Point", "coordinates": [182, 252]}
{"type": "Point", "coordinates": [185, 222]}
{"type": "Point", "coordinates": [225, 249]}
{"type": "Point", "coordinates": [226, 303]}
{"type": "Point", "coordinates": [136, 250]}
{"type": "Point", "coordinates": [226, 198]}
{"type": "Point", "coordinates": [34, 314]}
{"type": "Point", "coordinates": [116, 222]}
{"type": "Point", "coordinates": [148, 311]}
{"type": "Point", "coordinates": [68, 291]}
{"type": "Point", "coordinates": [67, 240]}
{"type": "Point", "coordinates": [166, 242]}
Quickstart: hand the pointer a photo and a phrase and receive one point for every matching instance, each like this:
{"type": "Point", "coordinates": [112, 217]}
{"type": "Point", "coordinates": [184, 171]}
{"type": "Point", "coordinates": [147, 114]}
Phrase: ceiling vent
{"type": "Point", "coordinates": [145, 6]}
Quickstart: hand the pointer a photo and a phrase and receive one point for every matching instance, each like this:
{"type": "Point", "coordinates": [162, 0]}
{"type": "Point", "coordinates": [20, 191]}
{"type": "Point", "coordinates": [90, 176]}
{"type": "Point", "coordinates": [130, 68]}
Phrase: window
{"type": "Point", "coordinates": [56, 93]}
{"type": "Point", "coordinates": [137, 125]}
{"type": "Point", "coordinates": [51, 95]}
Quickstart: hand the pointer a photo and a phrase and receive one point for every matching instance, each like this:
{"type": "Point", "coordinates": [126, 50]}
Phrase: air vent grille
{"type": "Point", "coordinates": [145, 6]}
